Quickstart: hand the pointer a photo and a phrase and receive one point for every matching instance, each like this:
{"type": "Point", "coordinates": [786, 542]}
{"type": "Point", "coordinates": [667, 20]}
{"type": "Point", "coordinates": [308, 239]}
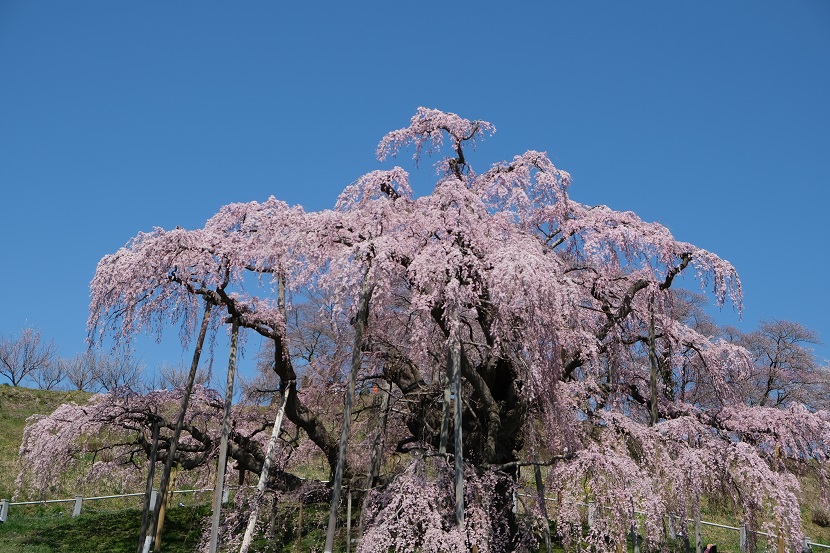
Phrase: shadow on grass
{"type": "Point", "coordinates": [111, 532]}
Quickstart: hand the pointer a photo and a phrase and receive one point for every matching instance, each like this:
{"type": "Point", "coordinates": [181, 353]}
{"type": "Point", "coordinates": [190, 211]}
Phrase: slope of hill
{"type": "Point", "coordinates": [16, 405]}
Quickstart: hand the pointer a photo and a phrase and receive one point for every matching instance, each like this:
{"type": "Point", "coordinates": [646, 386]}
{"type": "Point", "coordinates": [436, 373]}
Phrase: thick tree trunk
{"type": "Point", "coordinates": [295, 410]}
{"type": "Point", "coordinates": [357, 356]}
{"type": "Point", "coordinates": [223, 446]}
{"type": "Point", "coordinates": [188, 389]}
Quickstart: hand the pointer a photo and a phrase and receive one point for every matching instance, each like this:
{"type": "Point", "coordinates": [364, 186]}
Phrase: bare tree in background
{"type": "Point", "coordinates": [785, 368]}
{"type": "Point", "coordinates": [311, 334]}
{"type": "Point", "coordinates": [49, 377]}
{"type": "Point", "coordinates": [82, 370]}
{"type": "Point", "coordinates": [22, 356]}
{"type": "Point", "coordinates": [118, 369]}
{"type": "Point", "coordinates": [690, 382]}
{"type": "Point", "coordinates": [175, 376]}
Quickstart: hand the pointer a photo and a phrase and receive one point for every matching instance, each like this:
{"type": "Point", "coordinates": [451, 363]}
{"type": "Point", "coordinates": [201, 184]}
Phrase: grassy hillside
{"type": "Point", "coordinates": [16, 405]}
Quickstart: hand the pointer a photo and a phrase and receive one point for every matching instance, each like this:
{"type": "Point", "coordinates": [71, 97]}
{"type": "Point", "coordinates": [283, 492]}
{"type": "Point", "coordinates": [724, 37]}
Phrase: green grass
{"type": "Point", "coordinates": [46, 529]}
{"type": "Point", "coordinates": [109, 532]}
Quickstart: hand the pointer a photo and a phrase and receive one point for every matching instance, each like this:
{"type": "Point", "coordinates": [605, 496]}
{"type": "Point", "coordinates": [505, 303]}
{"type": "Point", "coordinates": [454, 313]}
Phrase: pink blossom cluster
{"type": "Point", "coordinates": [106, 443]}
{"type": "Point", "coordinates": [567, 324]}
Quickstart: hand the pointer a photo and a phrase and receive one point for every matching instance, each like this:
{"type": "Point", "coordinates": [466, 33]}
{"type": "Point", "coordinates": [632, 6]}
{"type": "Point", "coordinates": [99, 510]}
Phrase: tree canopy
{"type": "Point", "coordinates": [573, 348]}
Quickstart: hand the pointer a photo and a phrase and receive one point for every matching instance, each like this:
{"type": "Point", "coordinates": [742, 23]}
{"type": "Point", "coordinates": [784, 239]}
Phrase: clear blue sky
{"type": "Point", "coordinates": [711, 117]}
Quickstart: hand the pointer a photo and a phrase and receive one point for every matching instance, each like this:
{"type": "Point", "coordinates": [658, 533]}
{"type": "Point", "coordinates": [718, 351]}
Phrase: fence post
{"type": "Point", "coordinates": [300, 525]}
{"type": "Point", "coordinates": [153, 499]}
{"type": "Point", "coordinates": [743, 538]}
{"type": "Point", "coordinates": [698, 537]}
{"type": "Point", "coordinates": [805, 546]}
{"type": "Point", "coordinates": [226, 493]}
{"type": "Point", "coordinates": [591, 511]}
{"type": "Point", "coordinates": [4, 510]}
{"type": "Point", "coordinates": [349, 521]}
{"type": "Point", "coordinates": [76, 510]}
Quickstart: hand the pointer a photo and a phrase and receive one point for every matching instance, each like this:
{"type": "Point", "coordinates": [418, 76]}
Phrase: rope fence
{"type": "Point", "coordinates": [807, 545]}
{"type": "Point", "coordinates": [78, 502]}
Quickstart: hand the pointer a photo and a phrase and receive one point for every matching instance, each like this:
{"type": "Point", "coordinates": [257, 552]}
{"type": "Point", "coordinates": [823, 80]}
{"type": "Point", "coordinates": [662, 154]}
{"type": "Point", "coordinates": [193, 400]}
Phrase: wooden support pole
{"type": "Point", "coordinates": [377, 450]}
{"type": "Point", "coordinates": [446, 407]}
{"type": "Point", "coordinates": [459, 440]}
{"type": "Point", "coordinates": [171, 453]}
{"type": "Point", "coordinates": [219, 491]}
{"type": "Point", "coordinates": [357, 357]}
{"type": "Point", "coordinates": [543, 507]}
{"type": "Point", "coordinates": [349, 521]}
{"type": "Point", "coordinates": [654, 414]}
{"type": "Point", "coordinates": [149, 495]}
{"type": "Point", "coordinates": [698, 537]}
{"type": "Point", "coordinates": [160, 527]}
{"type": "Point", "coordinates": [165, 506]}
{"type": "Point", "coordinates": [265, 473]}
{"type": "Point", "coordinates": [300, 526]}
